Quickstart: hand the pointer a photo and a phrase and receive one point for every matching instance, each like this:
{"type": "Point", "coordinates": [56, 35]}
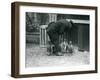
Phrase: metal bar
{"type": "Point", "coordinates": [79, 21]}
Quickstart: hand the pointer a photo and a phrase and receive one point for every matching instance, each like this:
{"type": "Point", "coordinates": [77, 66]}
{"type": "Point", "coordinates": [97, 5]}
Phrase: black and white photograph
{"type": "Point", "coordinates": [57, 39]}
{"type": "Point", "coordinates": [51, 39]}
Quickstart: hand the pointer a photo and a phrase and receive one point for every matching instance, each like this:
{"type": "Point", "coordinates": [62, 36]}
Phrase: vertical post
{"type": "Point", "coordinates": [35, 17]}
{"type": "Point", "coordinates": [80, 38]}
{"type": "Point", "coordinates": [40, 37]}
{"type": "Point", "coordinates": [52, 17]}
{"type": "Point", "coordinates": [43, 35]}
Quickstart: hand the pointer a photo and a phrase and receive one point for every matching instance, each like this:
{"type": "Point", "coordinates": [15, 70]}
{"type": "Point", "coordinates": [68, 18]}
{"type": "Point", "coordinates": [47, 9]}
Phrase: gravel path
{"type": "Point", "coordinates": [37, 57]}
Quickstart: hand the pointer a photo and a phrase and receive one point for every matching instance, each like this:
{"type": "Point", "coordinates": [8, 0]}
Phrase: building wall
{"type": "Point", "coordinates": [83, 37]}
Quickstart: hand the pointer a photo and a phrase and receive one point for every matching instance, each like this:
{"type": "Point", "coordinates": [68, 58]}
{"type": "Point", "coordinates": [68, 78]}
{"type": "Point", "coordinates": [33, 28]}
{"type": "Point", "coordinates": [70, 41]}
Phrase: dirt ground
{"type": "Point", "coordinates": [38, 57]}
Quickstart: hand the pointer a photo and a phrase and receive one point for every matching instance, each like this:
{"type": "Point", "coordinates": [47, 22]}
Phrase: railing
{"type": "Point", "coordinates": [43, 36]}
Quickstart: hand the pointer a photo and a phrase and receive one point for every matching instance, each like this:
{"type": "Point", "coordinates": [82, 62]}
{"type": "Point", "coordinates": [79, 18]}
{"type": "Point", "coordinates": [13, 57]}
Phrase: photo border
{"type": "Point", "coordinates": [15, 35]}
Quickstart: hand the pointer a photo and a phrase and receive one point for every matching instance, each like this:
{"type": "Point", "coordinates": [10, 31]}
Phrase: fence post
{"type": "Point", "coordinates": [43, 36]}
